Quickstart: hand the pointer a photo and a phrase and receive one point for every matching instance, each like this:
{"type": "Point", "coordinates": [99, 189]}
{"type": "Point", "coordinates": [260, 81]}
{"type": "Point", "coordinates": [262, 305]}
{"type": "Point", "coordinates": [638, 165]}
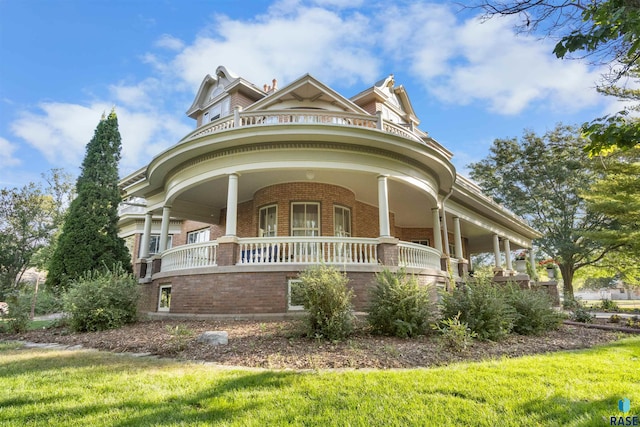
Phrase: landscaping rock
{"type": "Point", "coordinates": [214, 338]}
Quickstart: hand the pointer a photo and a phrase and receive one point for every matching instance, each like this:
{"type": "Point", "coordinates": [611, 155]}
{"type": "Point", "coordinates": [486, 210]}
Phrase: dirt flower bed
{"type": "Point", "coordinates": [280, 345]}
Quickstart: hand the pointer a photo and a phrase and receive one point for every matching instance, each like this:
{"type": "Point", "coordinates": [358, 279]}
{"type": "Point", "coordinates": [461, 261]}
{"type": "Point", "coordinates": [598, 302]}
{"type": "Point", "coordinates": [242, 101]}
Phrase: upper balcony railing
{"type": "Point", "coordinates": [321, 117]}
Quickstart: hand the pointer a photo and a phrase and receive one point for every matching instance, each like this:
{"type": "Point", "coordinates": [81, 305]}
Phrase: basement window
{"type": "Point", "coordinates": [164, 303]}
{"type": "Point", "coordinates": [294, 295]}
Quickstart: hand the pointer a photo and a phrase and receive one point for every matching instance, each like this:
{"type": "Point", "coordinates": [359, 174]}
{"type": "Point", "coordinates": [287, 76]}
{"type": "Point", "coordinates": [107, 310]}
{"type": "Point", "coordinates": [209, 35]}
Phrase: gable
{"type": "Point", "coordinates": [306, 93]}
{"type": "Point", "coordinates": [215, 89]}
{"type": "Point", "coordinates": [392, 100]}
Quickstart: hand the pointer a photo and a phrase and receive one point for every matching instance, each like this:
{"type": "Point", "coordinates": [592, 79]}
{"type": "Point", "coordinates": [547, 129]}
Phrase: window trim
{"type": "Point", "coordinates": [200, 230]}
{"type": "Point", "coordinates": [157, 251]}
{"type": "Point", "coordinates": [289, 306]}
{"type": "Point", "coordinates": [319, 212]}
{"type": "Point", "coordinates": [265, 209]}
{"type": "Point", "coordinates": [346, 233]}
{"type": "Point", "coordinates": [160, 307]}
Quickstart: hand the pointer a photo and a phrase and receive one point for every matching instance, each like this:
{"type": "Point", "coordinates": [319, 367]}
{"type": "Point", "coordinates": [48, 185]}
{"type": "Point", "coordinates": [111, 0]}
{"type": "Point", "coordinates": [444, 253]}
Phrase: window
{"type": "Point", "coordinates": [294, 295]}
{"type": "Point", "coordinates": [268, 221]}
{"type": "Point", "coordinates": [424, 242]}
{"type": "Point", "coordinates": [198, 236]}
{"type": "Point", "coordinates": [452, 250]}
{"type": "Point", "coordinates": [342, 221]}
{"type": "Point", "coordinates": [154, 243]}
{"type": "Point", "coordinates": [305, 219]}
{"type": "Point", "coordinates": [164, 303]}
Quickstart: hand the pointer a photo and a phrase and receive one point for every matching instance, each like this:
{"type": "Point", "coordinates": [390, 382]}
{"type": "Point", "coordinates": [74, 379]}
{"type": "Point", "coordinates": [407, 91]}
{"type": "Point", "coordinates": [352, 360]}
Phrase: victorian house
{"type": "Point", "coordinates": [272, 180]}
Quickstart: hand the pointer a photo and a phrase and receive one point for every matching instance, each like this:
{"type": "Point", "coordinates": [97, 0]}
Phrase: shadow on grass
{"type": "Point", "coordinates": [559, 410]}
{"type": "Point", "coordinates": [216, 398]}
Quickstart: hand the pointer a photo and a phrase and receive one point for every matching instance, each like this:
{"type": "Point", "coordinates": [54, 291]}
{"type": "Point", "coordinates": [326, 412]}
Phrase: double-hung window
{"type": "Point", "coordinates": [342, 221]}
{"type": "Point", "coordinates": [305, 219]}
{"type": "Point", "coordinates": [268, 221]}
{"type": "Point", "coordinates": [198, 236]}
{"type": "Point", "coordinates": [154, 244]}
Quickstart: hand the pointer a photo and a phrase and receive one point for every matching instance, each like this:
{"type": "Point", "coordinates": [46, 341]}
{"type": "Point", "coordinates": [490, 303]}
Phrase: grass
{"type": "Point", "coordinates": [61, 388]}
{"type": "Point", "coordinates": [623, 304]}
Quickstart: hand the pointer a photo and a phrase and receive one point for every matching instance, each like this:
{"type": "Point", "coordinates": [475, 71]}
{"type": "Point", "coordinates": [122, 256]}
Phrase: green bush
{"type": "Point", "coordinates": [483, 307]}
{"type": "Point", "coordinates": [19, 314]}
{"type": "Point", "coordinates": [608, 305]}
{"type": "Point", "coordinates": [456, 335]}
{"type": "Point", "coordinates": [534, 311]}
{"type": "Point", "coordinates": [328, 302]}
{"type": "Point", "coordinates": [399, 305]}
{"type": "Point", "coordinates": [582, 314]}
{"type": "Point", "coordinates": [102, 300]}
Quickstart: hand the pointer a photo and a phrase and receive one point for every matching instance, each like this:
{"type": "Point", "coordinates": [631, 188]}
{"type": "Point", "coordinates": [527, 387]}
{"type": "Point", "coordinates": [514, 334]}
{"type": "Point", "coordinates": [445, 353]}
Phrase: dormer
{"type": "Point", "coordinates": [391, 100]}
{"type": "Point", "coordinates": [218, 95]}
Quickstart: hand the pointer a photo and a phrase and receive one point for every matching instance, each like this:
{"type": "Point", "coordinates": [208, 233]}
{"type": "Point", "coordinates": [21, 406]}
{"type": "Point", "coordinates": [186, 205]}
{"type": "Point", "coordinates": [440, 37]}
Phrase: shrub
{"type": "Point", "coordinates": [102, 300]}
{"type": "Point", "coordinates": [399, 305]}
{"type": "Point", "coordinates": [483, 307]}
{"type": "Point", "coordinates": [582, 314]}
{"type": "Point", "coordinates": [328, 302]}
{"type": "Point", "coordinates": [18, 315]}
{"type": "Point", "coordinates": [614, 318]}
{"type": "Point", "coordinates": [608, 305]}
{"type": "Point", "coordinates": [534, 311]}
{"type": "Point", "coordinates": [455, 334]}
{"type": "Point", "coordinates": [180, 337]}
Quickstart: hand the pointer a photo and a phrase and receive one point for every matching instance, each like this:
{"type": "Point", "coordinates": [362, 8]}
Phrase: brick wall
{"type": "Point", "coordinates": [243, 293]}
{"type": "Point", "coordinates": [283, 195]}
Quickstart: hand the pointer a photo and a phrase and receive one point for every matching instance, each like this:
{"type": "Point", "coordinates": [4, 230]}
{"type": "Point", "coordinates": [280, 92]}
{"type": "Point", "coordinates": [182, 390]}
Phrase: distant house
{"type": "Point", "coordinates": [273, 180]}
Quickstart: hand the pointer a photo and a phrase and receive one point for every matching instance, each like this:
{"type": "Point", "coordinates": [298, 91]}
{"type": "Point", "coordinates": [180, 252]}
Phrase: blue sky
{"type": "Point", "coordinates": [64, 62]}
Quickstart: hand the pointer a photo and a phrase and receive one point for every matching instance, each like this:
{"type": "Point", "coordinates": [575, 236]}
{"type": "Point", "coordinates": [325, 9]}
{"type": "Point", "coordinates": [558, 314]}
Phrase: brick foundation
{"type": "Point", "coordinates": [246, 293]}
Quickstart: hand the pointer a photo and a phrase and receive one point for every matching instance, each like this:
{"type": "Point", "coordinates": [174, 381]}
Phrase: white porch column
{"type": "Point", "coordinates": [496, 251]}
{"type": "Point", "coordinates": [232, 205]}
{"type": "Point", "coordinates": [383, 207]}
{"type": "Point", "coordinates": [146, 235]}
{"type": "Point", "coordinates": [507, 253]}
{"type": "Point", "coordinates": [437, 235]}
{"type": "Point", "coordinates": [164, 229]}
{"type": "Point", "coordinates": [532, 260]}
{"type": "Point", "coordinates": [457, 235]}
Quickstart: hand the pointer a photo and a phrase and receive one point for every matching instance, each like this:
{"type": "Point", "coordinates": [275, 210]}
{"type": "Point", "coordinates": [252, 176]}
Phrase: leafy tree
{"type": "Point", "coordinates": [29, 218]}
{"type": "Point", "coordinates": [541, 179]}
{"type": "Point", "coordinates": [605, 31]}
{"type": "Point", "coordinates": [89, 239]}
{"type": "Point", "coordinates": [617, 195]}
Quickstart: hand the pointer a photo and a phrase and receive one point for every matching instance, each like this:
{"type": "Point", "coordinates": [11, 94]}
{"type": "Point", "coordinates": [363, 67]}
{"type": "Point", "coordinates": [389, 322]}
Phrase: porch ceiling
{"type": "Point", "coordinates": [410, 206]}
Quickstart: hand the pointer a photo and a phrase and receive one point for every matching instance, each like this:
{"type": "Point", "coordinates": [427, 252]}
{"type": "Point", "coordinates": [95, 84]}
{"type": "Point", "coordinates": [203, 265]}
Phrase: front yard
{"type": "Point", "coordinates": [82, 387]}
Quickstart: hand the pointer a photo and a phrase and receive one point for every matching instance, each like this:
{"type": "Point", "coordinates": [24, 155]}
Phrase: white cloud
{"type": "Point", "coordinates": [141, 95]}
{"type": "Point", "coordinates": [488, 63]}
{"type": "Point", "coordinates": [285, 45]}
{"type": "Point", "coordinates": [61, 131]}
{"type": "Point", "coordinates": [169, 42]}
{"type": "Point", "coordinates": [6, 154]}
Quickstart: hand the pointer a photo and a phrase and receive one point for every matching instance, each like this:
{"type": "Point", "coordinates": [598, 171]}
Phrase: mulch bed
{"type": "Point", "coordinates": [280, 344]}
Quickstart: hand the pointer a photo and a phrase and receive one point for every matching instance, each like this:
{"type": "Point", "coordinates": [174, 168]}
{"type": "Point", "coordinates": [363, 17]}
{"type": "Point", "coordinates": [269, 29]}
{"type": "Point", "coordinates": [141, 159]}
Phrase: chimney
{"type": "Point", "coordinates": [271, 89]}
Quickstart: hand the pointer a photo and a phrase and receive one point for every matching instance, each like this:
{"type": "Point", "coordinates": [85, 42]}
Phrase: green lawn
{"type": "Point", "coordinates": [69, 388]}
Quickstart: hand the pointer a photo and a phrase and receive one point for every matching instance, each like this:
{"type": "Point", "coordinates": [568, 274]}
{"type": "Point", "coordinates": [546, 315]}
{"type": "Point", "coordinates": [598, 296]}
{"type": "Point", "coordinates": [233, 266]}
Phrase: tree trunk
{"type": "Point", "coordinates": [567, 280]}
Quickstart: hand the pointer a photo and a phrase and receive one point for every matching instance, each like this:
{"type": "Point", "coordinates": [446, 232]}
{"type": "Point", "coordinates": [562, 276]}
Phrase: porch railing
{"type": "Point", "coordinates": [190, 256]}
{"type": "Point", "coordinates": [279, 117]}
{"type": "Point", "coordinates": [308, 250]}
{"type": "Point", "coordinates": [418, 256]}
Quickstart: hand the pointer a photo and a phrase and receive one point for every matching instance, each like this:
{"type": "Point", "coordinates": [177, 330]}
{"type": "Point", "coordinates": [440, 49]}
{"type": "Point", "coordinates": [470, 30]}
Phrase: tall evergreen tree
{"type": "Point", "coordinates": [89, 239]}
